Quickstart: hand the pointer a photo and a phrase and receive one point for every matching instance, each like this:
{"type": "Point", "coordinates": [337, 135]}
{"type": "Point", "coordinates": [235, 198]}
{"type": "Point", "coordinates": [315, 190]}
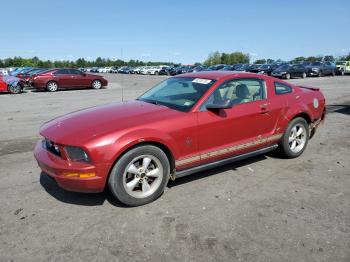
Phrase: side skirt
{"type": "Point", "coordinates": [196, 169]}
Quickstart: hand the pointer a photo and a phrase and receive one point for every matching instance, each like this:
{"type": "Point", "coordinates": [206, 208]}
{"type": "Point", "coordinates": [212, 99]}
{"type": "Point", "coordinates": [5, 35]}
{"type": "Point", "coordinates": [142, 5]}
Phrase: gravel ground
{"type": "Point", "coordinates": [261, 209]}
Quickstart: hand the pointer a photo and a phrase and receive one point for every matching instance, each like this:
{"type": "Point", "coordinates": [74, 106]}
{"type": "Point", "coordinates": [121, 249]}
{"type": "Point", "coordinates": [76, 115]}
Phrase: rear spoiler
{"type": "Point", "coordinates": [310, 88]}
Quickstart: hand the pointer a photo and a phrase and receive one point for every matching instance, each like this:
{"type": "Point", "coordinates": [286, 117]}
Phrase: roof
{"type": "Point", "coordinates": [218, 74]}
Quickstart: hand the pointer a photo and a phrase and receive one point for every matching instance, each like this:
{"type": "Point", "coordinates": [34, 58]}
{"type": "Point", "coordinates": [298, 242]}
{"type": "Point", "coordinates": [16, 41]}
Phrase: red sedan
{"type": "Point", "coordinates": [183, 125]}
{"type": "Point", "coordinates": [66, 78]}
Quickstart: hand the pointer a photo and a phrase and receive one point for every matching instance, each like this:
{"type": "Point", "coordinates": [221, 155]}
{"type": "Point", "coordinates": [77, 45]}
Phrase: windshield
{"type": "Point", "coordinates": [179, 93]}
{"type": "Point", "coordinates": [316, 64]}
{"type": "Point", "coordinates": [264, 67]}
{"type": "Point", "coordinates": [284, 67]}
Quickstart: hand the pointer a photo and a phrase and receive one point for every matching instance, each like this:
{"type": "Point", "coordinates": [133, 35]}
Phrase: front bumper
{"type": "Point", "coordinates": [278, 74]}
{"type": "Point", "coordinates": [56, 168]}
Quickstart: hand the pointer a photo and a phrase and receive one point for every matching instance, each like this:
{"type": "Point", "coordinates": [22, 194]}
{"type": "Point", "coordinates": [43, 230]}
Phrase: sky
{"type": "Point", "coordinates": [178, 31]}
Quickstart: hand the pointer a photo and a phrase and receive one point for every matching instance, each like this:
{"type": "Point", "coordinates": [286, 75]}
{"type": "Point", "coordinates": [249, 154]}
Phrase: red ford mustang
{"type": "Point", "coordinates": [183, 125]}
{"type": "Point", "coordinates": [66, 78]}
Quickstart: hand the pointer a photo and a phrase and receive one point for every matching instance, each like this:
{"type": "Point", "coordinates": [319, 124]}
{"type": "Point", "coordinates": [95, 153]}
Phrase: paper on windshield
{"type": "Point", "coordinates": [201, 81]}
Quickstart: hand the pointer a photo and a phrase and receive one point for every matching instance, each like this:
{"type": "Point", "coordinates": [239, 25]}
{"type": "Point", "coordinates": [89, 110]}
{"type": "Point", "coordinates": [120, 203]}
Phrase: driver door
{"type": "Point", "coordinates": [239, 129]}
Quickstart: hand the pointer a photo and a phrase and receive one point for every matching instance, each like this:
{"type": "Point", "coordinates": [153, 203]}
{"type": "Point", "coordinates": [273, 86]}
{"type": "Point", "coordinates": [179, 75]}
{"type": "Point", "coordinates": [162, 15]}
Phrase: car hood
{"type": "Point", "coordinates": [82, 126]}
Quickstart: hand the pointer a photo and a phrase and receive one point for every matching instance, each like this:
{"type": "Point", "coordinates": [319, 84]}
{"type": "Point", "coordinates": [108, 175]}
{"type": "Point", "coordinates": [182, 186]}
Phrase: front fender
{"type": "Point", "coordinates": [130, 139]}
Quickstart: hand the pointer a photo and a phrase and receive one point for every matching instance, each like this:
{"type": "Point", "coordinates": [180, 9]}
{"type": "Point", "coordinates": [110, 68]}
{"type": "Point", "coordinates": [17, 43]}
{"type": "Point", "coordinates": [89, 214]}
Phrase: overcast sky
{"type": "Point", "coordinates": [178, 31]}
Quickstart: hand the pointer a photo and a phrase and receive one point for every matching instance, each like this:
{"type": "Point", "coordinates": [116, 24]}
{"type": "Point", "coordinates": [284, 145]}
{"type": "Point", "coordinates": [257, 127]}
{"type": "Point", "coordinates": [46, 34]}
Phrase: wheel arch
{"type": "Point", "coordinates": [304, 115]}
{"type": "Point", "coordinates": [165, 148]}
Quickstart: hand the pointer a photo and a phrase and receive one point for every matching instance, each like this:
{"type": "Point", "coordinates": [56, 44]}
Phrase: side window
{"type": "Point", "coordinates": [281, 89]}
{"type": "Point", "coordinates": [62, 72]}
{"type": "Point", "coordinates": [75, 71]}
{"type": "Point", "coordinates": [238, 91]}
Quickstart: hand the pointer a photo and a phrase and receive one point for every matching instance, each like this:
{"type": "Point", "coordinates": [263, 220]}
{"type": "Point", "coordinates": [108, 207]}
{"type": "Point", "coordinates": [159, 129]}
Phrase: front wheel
{"type": "Point", "coordinates": [303, 75]}
{"type": "Point", "coordinates": [295, 139]}
{"type": "Point", "coordinates": [287, 76]}
{"type": "Point", "coordinates": [14, 88]}
{"type": "Point", "coordinates": [140, 175]}
{"type": "Point", "coordinates": [96, 84]}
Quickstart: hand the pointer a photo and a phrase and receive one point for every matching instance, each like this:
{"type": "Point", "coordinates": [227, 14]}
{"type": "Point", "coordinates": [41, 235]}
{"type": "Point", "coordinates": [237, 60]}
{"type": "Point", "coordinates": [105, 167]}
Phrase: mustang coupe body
{"type": "Point", "coordinates": [183, 125]}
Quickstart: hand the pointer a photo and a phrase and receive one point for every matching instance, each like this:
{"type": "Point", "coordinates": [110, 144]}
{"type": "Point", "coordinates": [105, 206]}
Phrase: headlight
{"type": "Point", "coordinates": [51, 146]}
{"type": "Point", "coordinates": [76, 154]}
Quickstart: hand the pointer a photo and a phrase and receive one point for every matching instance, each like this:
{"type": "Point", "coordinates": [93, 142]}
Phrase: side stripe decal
{"type": "Point", "coordinates": [227, 150]}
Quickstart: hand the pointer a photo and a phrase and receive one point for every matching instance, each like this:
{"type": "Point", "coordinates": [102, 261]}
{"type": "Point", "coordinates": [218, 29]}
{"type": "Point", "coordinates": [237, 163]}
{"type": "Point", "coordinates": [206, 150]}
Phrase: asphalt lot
{"type": "Point", "coordinates": [261, 209]}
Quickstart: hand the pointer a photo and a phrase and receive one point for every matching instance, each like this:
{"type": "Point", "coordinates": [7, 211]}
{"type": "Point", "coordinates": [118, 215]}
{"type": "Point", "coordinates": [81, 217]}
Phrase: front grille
{"type": "Point", "coordinates": [51, 147]}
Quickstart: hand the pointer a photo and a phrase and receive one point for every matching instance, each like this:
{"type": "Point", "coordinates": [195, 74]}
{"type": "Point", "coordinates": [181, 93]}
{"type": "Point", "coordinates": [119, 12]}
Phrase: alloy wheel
{"type": "Point", "coordinates": [52, 86]}
{"type": "Point", "coordinates": [96, 84]}
{"type": "Point", "coordinates": [143, 176]}
{"type": "Point", "coordinates": [297, 138]}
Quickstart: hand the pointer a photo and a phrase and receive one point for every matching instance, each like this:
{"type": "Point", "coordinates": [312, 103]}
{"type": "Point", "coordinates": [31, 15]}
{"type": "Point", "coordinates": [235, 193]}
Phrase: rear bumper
{"type": "Point", "coordinates": [57, 167]}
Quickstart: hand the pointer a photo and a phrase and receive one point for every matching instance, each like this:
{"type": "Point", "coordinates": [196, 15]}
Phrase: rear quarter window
{"type": "Point", "coordinates": [281, 89]}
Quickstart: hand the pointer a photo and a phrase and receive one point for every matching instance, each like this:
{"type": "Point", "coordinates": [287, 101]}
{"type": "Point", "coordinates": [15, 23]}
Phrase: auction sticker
{"type": "Point", "coordinates": [201, 81]}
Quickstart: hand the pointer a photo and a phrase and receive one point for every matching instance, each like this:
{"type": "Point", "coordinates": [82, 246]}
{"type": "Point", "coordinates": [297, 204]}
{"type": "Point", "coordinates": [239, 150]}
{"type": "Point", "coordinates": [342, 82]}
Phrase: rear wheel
{"type": "Point", "coordinates": [295, 139]}
{"type": "Point", "coordinates": [52, 86]}
{"type": "Point", "coordinates": [320, 74]}
{"type": "Point", "coordinates": [333, 73]}
{"type": "Point", "coordinates": [287, 76]}
{"type": "Point", "coordinates": [96, 84]}
{"type": "Point", "coordinates": [303, 75]}
{"type": "Point", "coordinates": [140, 175]}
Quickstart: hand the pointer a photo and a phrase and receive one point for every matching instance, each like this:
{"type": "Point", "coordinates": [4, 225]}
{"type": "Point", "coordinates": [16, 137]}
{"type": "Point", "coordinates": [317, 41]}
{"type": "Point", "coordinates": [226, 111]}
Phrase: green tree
{"type": "Point", "coordinates": [260, 61]}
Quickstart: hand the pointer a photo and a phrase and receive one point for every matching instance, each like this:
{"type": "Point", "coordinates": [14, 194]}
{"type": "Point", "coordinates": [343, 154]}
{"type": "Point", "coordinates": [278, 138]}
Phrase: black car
{"type": "Point", "coordinates": [215, 67]}
{"type": "Point", "coordinates": [199, 68]}
{"type": "Point", "coordinates": [321, 69]}
{"type": "Point", "coordinates": [267, 68]}
{"type": "Point", "coordinates": [254, 68]}
{"type": "Point", "coordinates": [243, 68]}
{"type": "Point", "coordinates": [288, 71]}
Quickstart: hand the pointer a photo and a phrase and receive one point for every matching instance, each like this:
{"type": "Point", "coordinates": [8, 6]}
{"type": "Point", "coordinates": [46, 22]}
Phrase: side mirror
{"type": "Point", "coordinates": [225, 105]}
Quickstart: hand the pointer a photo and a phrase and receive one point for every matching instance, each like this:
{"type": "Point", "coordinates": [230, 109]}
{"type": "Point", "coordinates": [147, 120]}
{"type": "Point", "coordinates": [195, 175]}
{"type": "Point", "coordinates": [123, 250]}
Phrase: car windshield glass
{"type": "Point", "coordinates": [265, 66]}
{"type": "Point", "coordinates": [340, 63]}
{"type": "Point", "coordinates": [284, 67]}
{"type": "Point", "coordinates": [179, 93]}
{"type": "Point", "coordinates": [316, 64]}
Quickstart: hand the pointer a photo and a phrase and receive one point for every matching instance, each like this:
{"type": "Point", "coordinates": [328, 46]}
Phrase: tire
{"type": "Point", "coordinates": [52, 86]}
{"type": "Point", "coordinates": [96, 84]}
{"type": "Point", "coordinates": [333, 73]}
{"type": "Point", "coordinates": [17, 89]}
{"type": "Point", "coordinates": [156, 73]}
{"type": "Point", "coordinates": [287, 76]}
{"type": "Point", "coordinates": [293, 145]}
{"type": "Point", "coordinates": [131, 181]}
{"type": "Point", "coordinates": [320, 74]}
{"type": "Point", "coordinates": [303, 75]}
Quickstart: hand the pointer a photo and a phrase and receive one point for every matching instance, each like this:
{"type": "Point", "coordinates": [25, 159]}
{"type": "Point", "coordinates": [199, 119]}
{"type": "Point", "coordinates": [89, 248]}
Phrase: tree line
{"type": "Point", "coordinates": [213, 59]}
{"type": "Point", "coordinates": [80, 62]}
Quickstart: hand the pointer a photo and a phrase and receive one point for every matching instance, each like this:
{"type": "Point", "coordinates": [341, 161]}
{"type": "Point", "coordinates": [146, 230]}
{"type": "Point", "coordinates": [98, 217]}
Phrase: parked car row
{"type": "Point", "coordinates": [49, 79]}
{"type": "Point", "coordinates": [52, 79]}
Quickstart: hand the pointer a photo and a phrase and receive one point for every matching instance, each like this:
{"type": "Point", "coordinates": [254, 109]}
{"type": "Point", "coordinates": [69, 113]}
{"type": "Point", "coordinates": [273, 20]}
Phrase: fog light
{"type": "Point", "coordinates": [79, 175]}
